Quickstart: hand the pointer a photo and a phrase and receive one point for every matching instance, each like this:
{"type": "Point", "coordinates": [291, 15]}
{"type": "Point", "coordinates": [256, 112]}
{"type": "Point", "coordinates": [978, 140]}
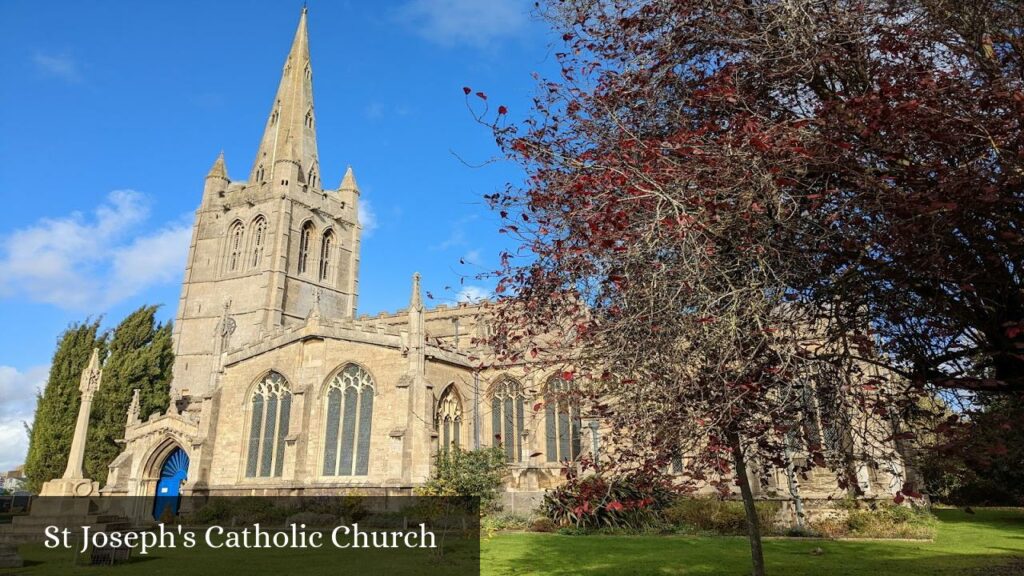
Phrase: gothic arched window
{"type": "Point", "coordinates": [268, 425]}
{"type": "Point", "coordinates": [305, 238]}
{"type": "Point", "coordinates": [562, 420]}
{"type": "Point", "coordinates": [309, 119]}
{"type": "Point", "coordinates": [449, 418]}
{"type": "Point", "coordinates": [326, 248]}
{"type": "Point", "coordinates": [348, 423]}
{"type": "Point", "coordinates": [508, 418]}
{"type": "Point", "coordinates": [259, 236]}
{"type": "Point", "coordinates": [260, 174]}
{"type": "Point", "coordinates": [235, 246]}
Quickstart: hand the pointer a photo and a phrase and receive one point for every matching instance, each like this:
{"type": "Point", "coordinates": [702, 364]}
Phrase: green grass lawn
{"type": "Point", "coordinates": [989, 543]}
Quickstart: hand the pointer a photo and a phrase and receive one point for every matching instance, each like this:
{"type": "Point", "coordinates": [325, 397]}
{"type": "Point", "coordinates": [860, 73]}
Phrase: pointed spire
{"type": "Point", "coordinates": [416, 303]}
{"type": "Point", "coordinates": [290, 133]}
{"type": "Point", "coordinates": [94, 360]}
{"type": "Point", "coordinates": [219, 168]}
{"type": "Point", "coordinates": [348, 183]}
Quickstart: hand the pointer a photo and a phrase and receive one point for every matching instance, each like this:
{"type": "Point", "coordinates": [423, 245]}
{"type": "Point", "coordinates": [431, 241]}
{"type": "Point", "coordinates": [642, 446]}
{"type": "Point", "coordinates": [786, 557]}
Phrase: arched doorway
{"type": "Point", "coordinates": [168, 488]}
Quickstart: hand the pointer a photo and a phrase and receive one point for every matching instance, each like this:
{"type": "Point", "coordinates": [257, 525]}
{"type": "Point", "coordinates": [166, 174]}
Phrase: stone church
{"type": "Point", "coordinates": [279, 388]}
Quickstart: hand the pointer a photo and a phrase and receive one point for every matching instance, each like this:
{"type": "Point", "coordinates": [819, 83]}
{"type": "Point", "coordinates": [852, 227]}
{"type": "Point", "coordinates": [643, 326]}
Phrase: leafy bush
{"type": "Point", "coordinates": [470, 473]}
{"type": "Point", "coordinates": [505, 521]}
{"type": "Point", "coordinates": [881, 520]}
{"type": "Point", "coordinates": [715, 516]}
{"type": "Point", "coordinates": [593, 501]}
{"type": "Point", "coordinates": [542, 524]}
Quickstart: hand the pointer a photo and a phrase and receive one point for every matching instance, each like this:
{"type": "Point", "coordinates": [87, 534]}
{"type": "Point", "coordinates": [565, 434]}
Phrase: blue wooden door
{"type": "Point", "coordinates": [168, 488]}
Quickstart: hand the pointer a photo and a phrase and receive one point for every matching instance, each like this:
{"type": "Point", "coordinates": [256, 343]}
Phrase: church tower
{"type": "Point", "coordinates": [266, 249]}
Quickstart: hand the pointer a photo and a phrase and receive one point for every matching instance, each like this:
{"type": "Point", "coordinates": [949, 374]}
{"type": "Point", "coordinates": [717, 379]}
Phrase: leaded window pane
{"type": "Point", "coordinates": [254, 436]}
{"type": "Point", "coordinates": [269, 428]}
{"type": "Point", "coordinates": [331, 432]}
{"type": "Point", "coordinates": [551, 433]}
{"type": "Point", "coordinates": [282, 432]}
{"type": "Point", "coordinates": [348, 431]}
{"type": "Point", "coordinates": [496, 435]}
{"type": "Point", "coordinates": [510, 431]}
{"type": "Point", "coordinates": [365, 425]}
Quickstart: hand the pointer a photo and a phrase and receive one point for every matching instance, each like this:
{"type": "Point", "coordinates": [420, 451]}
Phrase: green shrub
{"type": "Point", "coordinates": [470, 473]}
{"type": "Point", "coordinates": [505, 521]}
{"type": "Point", "coordinates": [632, 502]}
{"type": "Point", "coordinates": [542, 524]}
{"type": "Point", "coordinates": [715, 516]}
{"type": "Point", "coordinates": [886, 520]}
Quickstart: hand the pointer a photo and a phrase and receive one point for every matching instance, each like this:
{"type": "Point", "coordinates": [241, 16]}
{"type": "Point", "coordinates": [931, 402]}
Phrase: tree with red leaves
{"type": "Point", "coordinates": [723, 197]}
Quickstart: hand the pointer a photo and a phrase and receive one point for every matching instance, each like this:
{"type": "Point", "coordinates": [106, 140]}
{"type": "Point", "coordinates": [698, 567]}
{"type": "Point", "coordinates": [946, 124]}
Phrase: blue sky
{"type": "Point", "coordinates": [111, 113]}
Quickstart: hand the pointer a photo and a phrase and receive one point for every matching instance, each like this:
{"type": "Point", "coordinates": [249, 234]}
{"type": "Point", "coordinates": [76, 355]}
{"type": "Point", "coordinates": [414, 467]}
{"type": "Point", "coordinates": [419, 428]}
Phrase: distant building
{"type": "Point", "coordinates": [13, 480]}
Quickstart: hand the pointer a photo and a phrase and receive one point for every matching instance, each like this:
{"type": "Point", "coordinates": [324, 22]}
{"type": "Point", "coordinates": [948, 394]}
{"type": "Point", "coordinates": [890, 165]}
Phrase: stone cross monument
{"type": "Point", "coordinates": [74, 482]}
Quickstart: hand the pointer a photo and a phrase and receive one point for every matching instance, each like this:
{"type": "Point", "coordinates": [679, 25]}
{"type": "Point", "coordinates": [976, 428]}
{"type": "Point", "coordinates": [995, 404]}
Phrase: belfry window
{"type": "Point", "coordinates": [326, 249]}
{"type": "Point", "coordinates": [305, 238]}
{"type": "Point", "coordinates": [508, 418]}
{"type": "Point", "coordinates": [235, 246]}
{"type": "Point", "coordinates": [348, 423]}
{"type": "Point", "coordinates": [270, 408]}
{"type": "Point", "coordinates": [449, 418]}
{"type": "Point", "coordinates": [561, 420]}
{"type": "Point", "coordinates": [259, 234]}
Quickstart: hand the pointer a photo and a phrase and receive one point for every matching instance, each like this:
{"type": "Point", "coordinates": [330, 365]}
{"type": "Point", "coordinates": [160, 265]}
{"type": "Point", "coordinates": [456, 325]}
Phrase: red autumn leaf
{"type": "Point", "coordinates": [502, 110]}
{"type": "Point", "coordinates": [481, 95]}
{"type": "Point", "coordinates": [466, 90]}
{"type": "Point", "coordinates": [538, 406]}
{"type": "Point", "coordinates": [567, 376]}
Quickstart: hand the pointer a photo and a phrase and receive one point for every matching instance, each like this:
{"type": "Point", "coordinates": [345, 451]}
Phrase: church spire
{"type": "Point", "coordinates": [348, 183]}
{"type": "Point", "coordinates": [289, 139]}
{"type": "Point", "coordinates": [219, 168]}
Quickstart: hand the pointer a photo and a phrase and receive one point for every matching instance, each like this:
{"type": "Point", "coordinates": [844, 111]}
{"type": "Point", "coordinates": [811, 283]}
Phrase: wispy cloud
{"type": "Point", "coordinates": [367, 217]}
{"type": "Point", "coordinates": [90, 263]}
{"type": "Point", "coordinates": [60, 66]}
{"type": "Point", "coordinates": [472, 294]}
{"type": "Point", "coordinates": [18, 390]}
{"type": "Point", "coordinates": [477, 23]}
{"type": "Point", "coordinates": [457, 236]}
{"type": "Point", "coordinates": [472, 257]}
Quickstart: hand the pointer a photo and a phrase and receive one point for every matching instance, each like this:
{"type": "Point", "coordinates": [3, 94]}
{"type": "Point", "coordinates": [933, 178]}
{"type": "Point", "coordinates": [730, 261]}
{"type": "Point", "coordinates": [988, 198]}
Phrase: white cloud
{"type": "Point", "coordinates": [472, 294]}
{"type": "Point", "coordinates": [472, 257]}
{"type": "Point", "coordinates": [18, 390]}
{"type": "Point", "coordinates": [478, 23]}
{"type": "Point", "coordinates": [58, 66]}
{"type": "Point", "coordinates": [90, 263]}
{"type": "Point", "coordinates": [367, 217]}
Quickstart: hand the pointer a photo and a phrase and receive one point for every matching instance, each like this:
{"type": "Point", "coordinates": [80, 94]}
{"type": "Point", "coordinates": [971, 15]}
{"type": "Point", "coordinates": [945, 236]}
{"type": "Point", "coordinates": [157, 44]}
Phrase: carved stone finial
{"type": "Point", "coordinates": [133, 409]}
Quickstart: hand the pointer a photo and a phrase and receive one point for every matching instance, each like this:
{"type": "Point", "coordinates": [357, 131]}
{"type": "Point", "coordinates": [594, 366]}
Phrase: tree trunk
{"type": "Point", "coordinates": [753, 527]}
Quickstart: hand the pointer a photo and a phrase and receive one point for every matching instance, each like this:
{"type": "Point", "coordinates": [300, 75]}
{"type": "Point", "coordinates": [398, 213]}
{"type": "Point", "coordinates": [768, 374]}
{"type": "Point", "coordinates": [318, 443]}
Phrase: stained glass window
{"type": "Point", "coordinates": [507, 418]}
{"type": "Point", "coordinates": [449, 418]}
{"type": "Point", "coordinates": [349, 419]}
{"type": "Point", "coordinates": [562, 420]}
{"type": "Point", "coordinates": [268, 425]}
